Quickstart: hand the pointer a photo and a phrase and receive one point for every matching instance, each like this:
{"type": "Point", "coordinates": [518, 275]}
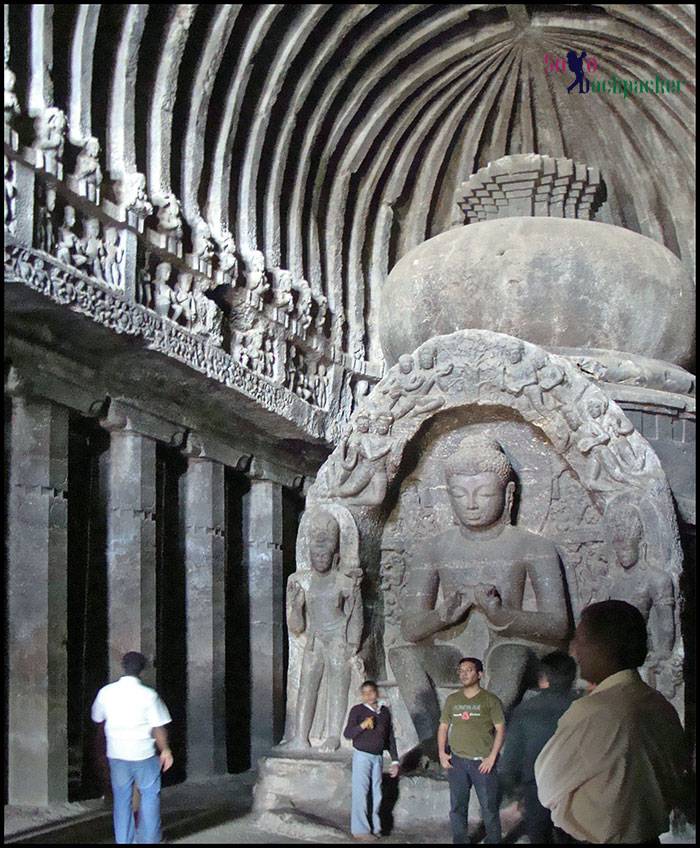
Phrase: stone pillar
{"type": "Point", "coordinates": [131, 546]}
{"type": "Point", "coordinates": [262, 525]}
{"type": "Point", "coordinates": [203, 507]}
{"type": "Point", "coordinates": [37, 603]}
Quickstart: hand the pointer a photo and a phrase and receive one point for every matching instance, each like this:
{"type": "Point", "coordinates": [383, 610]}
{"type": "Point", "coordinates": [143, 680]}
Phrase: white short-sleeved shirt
{"type": "Point", "coordinates": [130, 710]}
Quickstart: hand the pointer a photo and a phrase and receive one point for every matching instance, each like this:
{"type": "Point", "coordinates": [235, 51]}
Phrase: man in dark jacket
{"type": "Point", "coordinates": [369, 726]}
{"type": "Point", "coordinates": [532, 725]}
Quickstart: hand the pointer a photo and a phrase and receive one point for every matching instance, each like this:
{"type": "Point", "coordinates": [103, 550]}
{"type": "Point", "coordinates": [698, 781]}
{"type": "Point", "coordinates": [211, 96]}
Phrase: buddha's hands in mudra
{"type": "Point", "coordinates": [454, 607]}
{"type": "Point", "coordinates": [488, 599]}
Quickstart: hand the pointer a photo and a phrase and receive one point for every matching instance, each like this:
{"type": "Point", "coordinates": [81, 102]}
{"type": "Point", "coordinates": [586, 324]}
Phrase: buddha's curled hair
{"type": "Point", "coordinates": [477, 455]}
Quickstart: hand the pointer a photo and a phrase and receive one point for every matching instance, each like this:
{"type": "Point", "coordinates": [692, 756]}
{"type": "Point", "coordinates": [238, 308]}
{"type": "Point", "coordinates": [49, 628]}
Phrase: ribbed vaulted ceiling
{"type": "Point", "coordinates": [334, 137]}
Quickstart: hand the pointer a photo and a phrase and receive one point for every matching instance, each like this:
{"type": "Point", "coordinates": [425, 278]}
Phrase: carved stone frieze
{"type": "Point", "coordinates": [70, 287]}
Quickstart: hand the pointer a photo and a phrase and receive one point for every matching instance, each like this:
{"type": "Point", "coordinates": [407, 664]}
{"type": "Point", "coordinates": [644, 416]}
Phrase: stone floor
{"type": "Point", "coordinates": [212, 812]}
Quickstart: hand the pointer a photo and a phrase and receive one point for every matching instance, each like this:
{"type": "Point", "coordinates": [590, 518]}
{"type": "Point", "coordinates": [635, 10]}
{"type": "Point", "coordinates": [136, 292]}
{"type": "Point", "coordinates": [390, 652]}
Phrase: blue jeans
{"type": "Point", "coordinates": [146, 775]}
{"type": "Point", "coordinates": [462, 776]}
{"type": "Point", "coordinates": [366, 771]}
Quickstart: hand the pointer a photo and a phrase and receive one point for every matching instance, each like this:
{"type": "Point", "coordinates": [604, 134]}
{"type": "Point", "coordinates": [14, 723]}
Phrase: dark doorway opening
{"type": "Point", "coordinates": [292, 509]}
{"type": "Point", "coordinates": [87, 657]}
{"type": "Point", "coordinates": [171, 609]}
{"type": "Point", "coordinates": [237, 630]}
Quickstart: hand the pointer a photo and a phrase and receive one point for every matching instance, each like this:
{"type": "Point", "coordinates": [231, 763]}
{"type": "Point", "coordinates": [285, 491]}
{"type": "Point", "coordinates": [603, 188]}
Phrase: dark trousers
{"type": "Point", "coordinates": [462, 776]}
{"type": "Point", "coordinates": [536, 818]}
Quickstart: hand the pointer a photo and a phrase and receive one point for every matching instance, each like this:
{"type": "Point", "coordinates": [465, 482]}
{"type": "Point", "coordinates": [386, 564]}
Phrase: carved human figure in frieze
{"type": "Point", "coordinates": [93, 248]}
{"type": "Point", "coordinates": [50, 130]}
{"type": "Point", "coordinates": [202, 243]}
{"type": "Point", "coordinates": [480, 565]}
{"type": "Point", "coordinates": [564, 423]}
{"type": "Point", "coordinates": [350, 448]}
{"type": "Point", "coordinates": [321, 312]}
{"type": "Point", "coordinates": [144, 282]}
{"type": "Point", "coordinates": [45, 211]}
{"type": "Point", "coordinates": [599, 439]}
{"type": "Point", "coordinates": [112, 257]}
{"type": "Point", "coordinates": [238, 348]}
{"type": "Point", "coordinates": [130, 192]}
{"type": "Point", "coordinates": [552, 380]}
{"type": "Point", "coordinates": [268, 357]}
{"type": "Point", "coordinates": [228, 262]}
{"type": "Point", "coordinates": [10, 194]}
{"type": "Point", "coordinates": [12, 110]}
{"type": "Point", "coordinates": [255, 276]}
{"type": "Point", "coordinates": [163, 294]}
{"type": "Point", "coordinates": [411, 391]}
{"type": "Point", "coordinates": [184, 302]}
{"type": "Point", "coordinates": [208, 318]}
{"type": "Point", "coordinates": [303, 305]}
{"type": "Point", "coordinates": [88, 173]}
{"type": "Point", "coordinates": [363, 463]}
{"type": "Point", "coordinates": [254, 345]}
{"type": "Point", "coordinates": [302, 387]}
{"type": "Point", "coordinates": [641, 583]}
{"type": "Point", "coordinates": [357, 345]}
{"type": "Point", "coordinates": [69, 248]}
{"type": "Point", "coordinates": [168, 214]}
{"type": "Point", "coordinates": [291, 369]}
{"type": "Point", "coordinates": [329, 616]}
{"type": "Point", "coordinates": [519, 376]}
{"type": "Point", "coordinates": [632, 460]}
{"type": "Point", "coordinates": [284, 295]}
{"type": "Point", "coordinates": [320, 386]}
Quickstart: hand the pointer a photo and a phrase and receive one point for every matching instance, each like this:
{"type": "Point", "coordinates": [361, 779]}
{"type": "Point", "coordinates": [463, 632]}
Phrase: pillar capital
{"type": "Point", "coordinates": [198, 445]}
{"type": "Point", "coordinates": [127, 417]}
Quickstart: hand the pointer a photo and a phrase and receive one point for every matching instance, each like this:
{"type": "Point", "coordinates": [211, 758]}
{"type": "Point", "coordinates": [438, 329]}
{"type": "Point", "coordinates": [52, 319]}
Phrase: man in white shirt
{"type": "Point", "coordinates": [615, 766]}
{"type": "Point", "coordinates": [134, 717]}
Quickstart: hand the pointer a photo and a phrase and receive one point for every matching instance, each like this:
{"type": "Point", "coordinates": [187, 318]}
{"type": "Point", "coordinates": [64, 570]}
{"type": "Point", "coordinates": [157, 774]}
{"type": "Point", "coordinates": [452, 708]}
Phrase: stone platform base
{"type": "Point", "coordinates": [310, 798]}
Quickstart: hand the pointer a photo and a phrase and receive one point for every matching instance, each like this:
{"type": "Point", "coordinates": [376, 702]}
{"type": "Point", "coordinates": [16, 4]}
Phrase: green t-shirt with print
{"type": "Point", "coordinates": [471, 722]}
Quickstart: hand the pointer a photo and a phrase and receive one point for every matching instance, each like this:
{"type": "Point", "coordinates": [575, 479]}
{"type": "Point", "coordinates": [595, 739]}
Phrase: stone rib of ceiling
{"type": "Point", "coordinates": [333, 137]}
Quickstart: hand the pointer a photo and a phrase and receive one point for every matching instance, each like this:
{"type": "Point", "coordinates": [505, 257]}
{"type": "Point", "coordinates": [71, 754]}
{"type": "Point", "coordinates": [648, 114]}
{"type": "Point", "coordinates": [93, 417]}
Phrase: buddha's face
{"type": "Point", "coordinates": [92, 227]}
{"type": "Point", "coordinates": [324, 536]}
{"type": "Point", "coordinates": [478, 500]}
{"type": "Point", "coordinates": [362, 424]}
{"type": "Point", "coordinates": [69, 216]}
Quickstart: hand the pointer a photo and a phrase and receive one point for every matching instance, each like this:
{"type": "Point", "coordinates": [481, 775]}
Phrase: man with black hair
{"type": "Point", "coordinates": [473, 727]}
{"type": "Point", "coordinates": [370, 728]}
{"type": "Point", "coordinates": [531, 726]}
{"type": "Point", "coordinates": [134, 717]}
{"type": "Point", "coordinates": [614, 769]}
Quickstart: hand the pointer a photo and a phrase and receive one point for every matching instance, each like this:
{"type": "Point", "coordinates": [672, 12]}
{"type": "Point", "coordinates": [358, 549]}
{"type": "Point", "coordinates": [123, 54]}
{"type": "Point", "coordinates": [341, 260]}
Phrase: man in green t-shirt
{"type": "Point", "coordinates": [471, 734]}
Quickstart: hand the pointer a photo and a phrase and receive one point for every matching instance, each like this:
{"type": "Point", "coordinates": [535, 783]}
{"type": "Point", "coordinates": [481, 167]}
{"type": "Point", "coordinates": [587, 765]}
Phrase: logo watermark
{"type": "Point", "coordinates": [581, 64]}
